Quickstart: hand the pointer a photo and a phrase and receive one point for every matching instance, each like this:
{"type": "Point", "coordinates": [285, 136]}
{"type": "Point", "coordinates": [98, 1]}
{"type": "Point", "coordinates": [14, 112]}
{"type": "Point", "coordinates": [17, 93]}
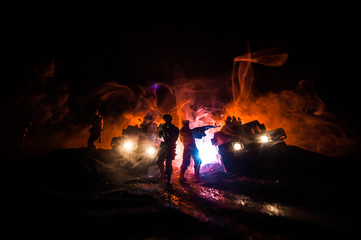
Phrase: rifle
{"type": "Point", "coordinates": [199, 132]}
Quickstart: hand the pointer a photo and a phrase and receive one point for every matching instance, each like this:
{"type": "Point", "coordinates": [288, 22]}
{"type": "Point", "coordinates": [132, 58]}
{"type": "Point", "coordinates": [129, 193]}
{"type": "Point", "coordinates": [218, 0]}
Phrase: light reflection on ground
{"type": "Point", "coordinates": [191, 200]}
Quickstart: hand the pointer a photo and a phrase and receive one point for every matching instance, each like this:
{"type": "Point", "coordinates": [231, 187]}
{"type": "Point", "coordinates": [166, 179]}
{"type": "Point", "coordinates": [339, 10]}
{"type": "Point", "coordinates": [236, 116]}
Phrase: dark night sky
{"type": "Point", "coordinates": [95, 43]}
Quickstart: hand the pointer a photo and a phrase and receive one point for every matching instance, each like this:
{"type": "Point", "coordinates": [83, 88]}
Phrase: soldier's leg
{"type": "Point", "coordinates": [197, 161]}
{"type": "Point", "coordinates": [168, 163]}
{"type": "Point", "coordinates": [168, 169]}
{"type": "Point", "coordinates": [91, 140]}
{"type": "Point", "coordinates": [185, 163]}
{"type": "Point", "coordinates": [160, 162]}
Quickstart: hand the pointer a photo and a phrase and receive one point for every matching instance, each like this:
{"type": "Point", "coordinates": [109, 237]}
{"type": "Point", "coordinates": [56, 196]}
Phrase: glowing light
{"type": "Point", "coordinates": [128, 145]}
{"type": "Point", "coordinates": [264, 139]}
{"type": "Point", "coordinates": [207, 152]}
{"type": "Point", "coordinates": [151, 151]}
{"type": "Point", "coordinates": [237, 146]}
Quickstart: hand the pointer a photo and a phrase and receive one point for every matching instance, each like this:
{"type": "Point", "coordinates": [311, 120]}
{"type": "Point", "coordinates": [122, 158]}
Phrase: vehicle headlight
{"type": "Point", "coordinates": [128, 145]}
{"type": "Point", "coordinates": [264, 139]}
{"type": "Point", "coordinates": [237, 146]}
{"type": "Point", "coordinates": [151, 151]}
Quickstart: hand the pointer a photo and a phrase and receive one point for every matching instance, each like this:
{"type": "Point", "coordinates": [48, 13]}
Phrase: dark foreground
{"type": "Point", "coordinates": [76, 194]}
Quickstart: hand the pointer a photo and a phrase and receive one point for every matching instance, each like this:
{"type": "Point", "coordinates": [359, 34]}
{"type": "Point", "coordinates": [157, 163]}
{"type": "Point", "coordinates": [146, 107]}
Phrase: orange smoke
{"type": "Point", "coordinates": [299, 111]}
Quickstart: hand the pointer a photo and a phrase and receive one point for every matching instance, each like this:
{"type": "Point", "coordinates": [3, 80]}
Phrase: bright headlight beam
{"type": "Point", "coordinates": [237, 146]}
{"type": "Point", "coordinates": [128, 145]}
{"type": "Point", "coordinates": [150, 151]}
{"type": "Point", "coordinates": [264, 139]}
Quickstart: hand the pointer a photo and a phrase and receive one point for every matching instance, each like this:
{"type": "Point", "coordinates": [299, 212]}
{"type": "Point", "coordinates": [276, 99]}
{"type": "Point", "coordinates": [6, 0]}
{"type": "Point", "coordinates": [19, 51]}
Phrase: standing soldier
{"type": "Point", "coordinates": [166, 154]}
{"type": "Point", "coordinates": [190, 150]}
{"type": "Point", "coordinates": [96, 126]}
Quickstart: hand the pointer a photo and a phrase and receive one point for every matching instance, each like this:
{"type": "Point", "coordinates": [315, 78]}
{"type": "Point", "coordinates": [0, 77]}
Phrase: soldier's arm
{"type": "Point", "coordinates": [159, 131]}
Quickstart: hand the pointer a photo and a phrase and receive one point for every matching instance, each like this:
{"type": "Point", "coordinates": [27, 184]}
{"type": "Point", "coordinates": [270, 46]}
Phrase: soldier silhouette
{"type": "Point", "coordinates": [169, 133]}
{"type": "Point", "coordinates": [190, 150]}
{"type": "Point", "coordinates": [96, 126]}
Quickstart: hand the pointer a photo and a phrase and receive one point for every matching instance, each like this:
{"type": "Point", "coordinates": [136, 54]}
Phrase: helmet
{"type": "Point", "coordinates": [184, 122]}
{"type": "Point", "coordinates": [167, 117]}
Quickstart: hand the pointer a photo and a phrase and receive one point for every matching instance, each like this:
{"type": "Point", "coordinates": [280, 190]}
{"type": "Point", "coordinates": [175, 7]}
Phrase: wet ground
{"type": "Point", "coordinates": [74, 193]}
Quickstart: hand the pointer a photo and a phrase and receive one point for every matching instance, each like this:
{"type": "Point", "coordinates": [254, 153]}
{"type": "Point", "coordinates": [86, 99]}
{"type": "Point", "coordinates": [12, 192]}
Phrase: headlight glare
{"type": "Point", "coordinates": [151, 151]}
{"type": "Point", "coordinates": [237, 146]}
{"type": "Point", "coordinates": [128, 145]}
{"type": "Point", "coordinates": [265, 139]}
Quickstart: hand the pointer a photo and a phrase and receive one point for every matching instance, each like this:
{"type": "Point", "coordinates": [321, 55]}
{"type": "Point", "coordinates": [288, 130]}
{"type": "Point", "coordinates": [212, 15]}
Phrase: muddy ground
{"type": "Point", "coordinates": [92, 195]}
